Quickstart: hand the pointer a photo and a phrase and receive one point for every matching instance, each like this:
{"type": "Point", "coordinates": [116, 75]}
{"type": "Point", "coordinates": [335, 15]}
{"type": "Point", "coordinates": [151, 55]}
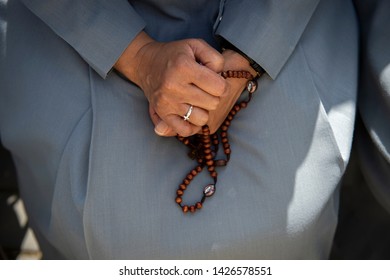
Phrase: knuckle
{"type": "Point", "coordinates": [167, 85]}
{"type": "Point", "coordinates": [181, 63]}
{"type": "Point", "coordinates": [161, 100]}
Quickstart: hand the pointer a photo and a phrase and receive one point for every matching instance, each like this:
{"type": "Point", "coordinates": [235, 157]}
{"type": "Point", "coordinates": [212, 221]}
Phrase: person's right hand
{"type": "Point", "coordinates": [233, 90]}
{"type": "Point", "coordinates": [173, 76]}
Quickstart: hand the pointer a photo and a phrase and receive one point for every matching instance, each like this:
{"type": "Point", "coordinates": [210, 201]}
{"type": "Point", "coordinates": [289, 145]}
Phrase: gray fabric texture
{"type": "Point", "coordinates": [97, 181]}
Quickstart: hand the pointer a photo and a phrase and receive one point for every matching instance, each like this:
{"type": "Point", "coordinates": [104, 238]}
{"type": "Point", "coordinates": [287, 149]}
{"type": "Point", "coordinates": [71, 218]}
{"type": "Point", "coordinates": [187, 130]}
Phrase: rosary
{"type": "Point", "coordinates": [204, 147]}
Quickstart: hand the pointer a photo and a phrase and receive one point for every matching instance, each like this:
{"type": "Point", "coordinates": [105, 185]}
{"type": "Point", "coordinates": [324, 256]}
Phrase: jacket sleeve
{"type": "Point", "coordinates": [265, 30]}
{"type": "Point", "coordinates": [98, 30]}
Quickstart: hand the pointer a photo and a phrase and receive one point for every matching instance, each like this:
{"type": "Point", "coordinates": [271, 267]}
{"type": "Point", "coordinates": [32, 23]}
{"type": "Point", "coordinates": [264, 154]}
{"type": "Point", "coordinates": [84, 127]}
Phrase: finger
{"type": "Point", "coordinates": [205, 75]}
{"type": "Point", "coordinates": [162, 129]}
{"type": "Point", "coordinates": [172, 125]}
{"type": "Point", "coordinates": [191, 94]}
{"type": "Point", "coordinates": [182, 127]}
{"type": "Point", "coordinates": [196, 115]}
{"type": "Point", "coordinates": [208, 81]}
{"type": "Point", "coordinates": [207, 55]}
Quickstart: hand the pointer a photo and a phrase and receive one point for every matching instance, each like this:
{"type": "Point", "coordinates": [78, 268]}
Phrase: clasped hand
{"type": "Point", "coordinates": [178, 74]}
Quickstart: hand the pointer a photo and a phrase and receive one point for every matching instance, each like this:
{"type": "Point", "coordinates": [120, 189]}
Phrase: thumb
{"type": "Point", "coordinates": [162, 129]}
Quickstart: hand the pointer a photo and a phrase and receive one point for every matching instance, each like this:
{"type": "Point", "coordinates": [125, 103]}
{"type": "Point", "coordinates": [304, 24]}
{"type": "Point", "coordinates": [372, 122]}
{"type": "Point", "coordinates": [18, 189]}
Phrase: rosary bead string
{"type": "Point", "coordinates": [204, 147]}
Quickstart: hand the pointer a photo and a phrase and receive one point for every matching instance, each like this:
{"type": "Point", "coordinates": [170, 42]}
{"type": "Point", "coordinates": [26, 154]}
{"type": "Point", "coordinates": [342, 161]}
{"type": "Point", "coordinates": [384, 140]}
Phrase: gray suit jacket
{"type": "Point", "coordinates": [98, 183]}
{"type": "Point", "coordinates": [246, 24]}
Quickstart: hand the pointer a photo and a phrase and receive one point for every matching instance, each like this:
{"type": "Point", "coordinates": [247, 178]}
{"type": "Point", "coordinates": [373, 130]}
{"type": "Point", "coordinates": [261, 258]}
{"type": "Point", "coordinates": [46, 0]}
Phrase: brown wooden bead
{"type": "Point", "coordinates": [214, 174]}
{"type": "Point", "coordinates": [198, 205]}
{"type": "Point", "coordinates": [227, 151]}
{"type": "Point", "coordinates": [186, 182]}
{"type": "Point", "coordinates": [209, 162]}
{"type": "Point", "coordinates": [226, 145]}
{"type": "Point", "coordinates": [194, 172]}
{"type": "Point", "coordinates": [237, 74]}
{"type": "Point", "coordinates": [207, 145]}
{"type": "Point", "coordinates": [192, 208]}
{"type": "Point", "coordinates": [224, 140]}
{"type": "Point", "coordinates": [198, 168]}
{"type": "Point", "coordinates": [227, 123]}
{"type": "Point", "coordinates": [211, 168]}
{"type": "Point", "coordinates": [186, 141]}
{"type": "Point", "coordinates": [178, 200]}
{"type": "Point", "coordinates": [244, 104]}
{"type": "Point", "coordinates": [237, 108]}
{"type": "Point", "coordinates": [179, 192]}
{"type": "Point", "coordinates": [208, 157]}
{"type": "Point", "coordinates": [190, 177]}
{"type": "Point", "coordinates": [183, 187]}
{"type": "Point", "coordinates": [224, 134]}
{"type": "Point", "coordinates": [185, 208]}
{"type": "Point", "coordinates": [224, 127]}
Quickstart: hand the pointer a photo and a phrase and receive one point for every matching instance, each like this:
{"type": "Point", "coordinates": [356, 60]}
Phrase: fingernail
{"type": "Point", "coordinates": [161, 128]}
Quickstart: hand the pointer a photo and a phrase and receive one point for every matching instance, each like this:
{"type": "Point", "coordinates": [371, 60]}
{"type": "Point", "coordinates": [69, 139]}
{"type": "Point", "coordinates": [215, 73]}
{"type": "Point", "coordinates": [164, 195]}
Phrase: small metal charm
{"type": "Point", "coordinates": [209, 190]}
{"type": "Point", "coordinates": [251, 86]}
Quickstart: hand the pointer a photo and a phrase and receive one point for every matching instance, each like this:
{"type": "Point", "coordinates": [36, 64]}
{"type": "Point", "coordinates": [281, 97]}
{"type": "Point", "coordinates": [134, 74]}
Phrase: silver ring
{"type": "Point", "coordinates": [188, 114]}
